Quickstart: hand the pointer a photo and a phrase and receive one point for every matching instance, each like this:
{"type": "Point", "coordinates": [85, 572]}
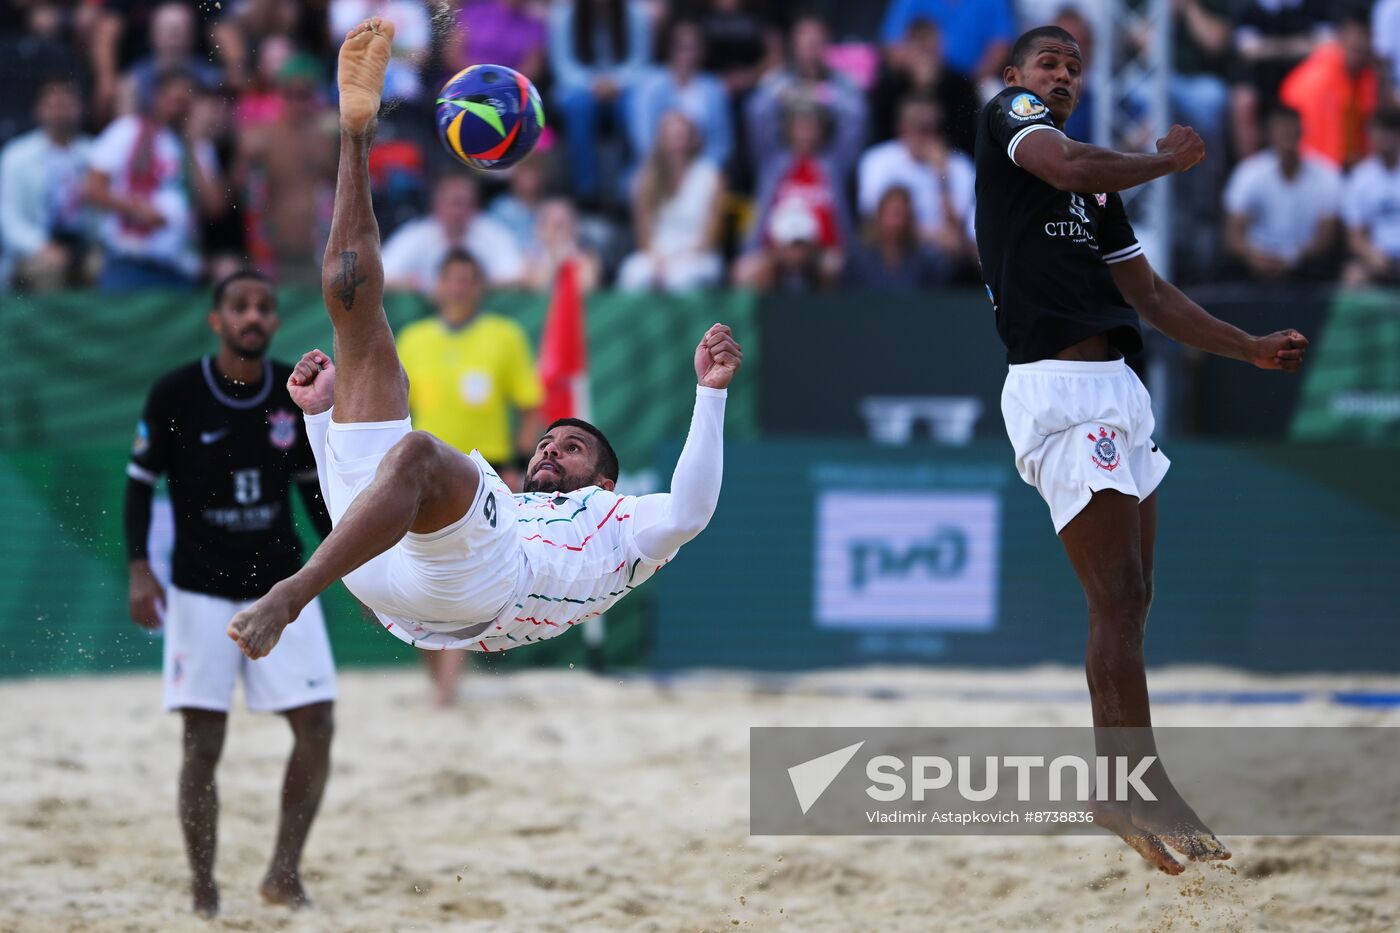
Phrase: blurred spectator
{"type": "Point", "coordinates": [152, 184]}
{"type": "Point", "coordinates": [798, 240]}
{"type": "Point", "coordinates": [1200, 43]}
{"type": "Point", "coordinates": [939, 180]}
{"type": "Point", "coordinates": [891, 256]}
{"type": "Point", "coordinates": [413, 39]}
{"type": "Point", "coordinates": [805, 79]}
{"type": "Point", "coordinates": [260, 101]}
{"type": "Point", "coordinates": [1080, 125]}
{"type": "Point", "coordinates": [119, 39]}
{"type": "Point", "coordinates": [518, 207]}
{"type": "Point", "coordinates": [42, 222]}
{"type": "Point", "coordinates": [173, 43]}
{"type": "Point", "coordinates": [469, 372]}
{"type": "Point", "coordinates": [676, 213]}
{"type": "Point", "coordinates": [1336, 90]}
{"type": "Point", "coordinates": [1282, 207]}
{"type": "Point", "coordinates": [248, 25]}
{"type": "Point", "coordinates": [977, 34]}
{"type": "Point", "coordinates": [286, 171]}
{"type": "Point", "coordinates": [1371, 206]}
{"type": "Point", "coordinates": [34, 48]}
{"type": "Point", "coordinates": [597, 49]}
{"type": "Point", "coordinates": [739, 45]}
{"type": "Point", "coordinates": [414, 254]}
{"type": "Point", "coordinates": [555, 242]}
{"type": "Point", "coordinates": [680, 86]}
{"type": "Point", "coordinates": [1385, 42]}
{"type": "Point", "coordinates": [915, 66]}
{"type": "Point", "coordinates": [1270, 38]}
{"type": "Point", "coordinates": [503, 32]}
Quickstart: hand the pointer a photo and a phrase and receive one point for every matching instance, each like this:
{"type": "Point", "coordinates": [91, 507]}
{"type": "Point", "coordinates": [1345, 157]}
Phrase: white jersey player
{"type": "Point", "coordinates": [431, 540]}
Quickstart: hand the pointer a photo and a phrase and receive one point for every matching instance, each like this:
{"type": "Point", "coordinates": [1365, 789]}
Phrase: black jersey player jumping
{"type": "Point", "coordinates": [226, 434]}
{"type": "Point", "coordinates": [1069, 282]}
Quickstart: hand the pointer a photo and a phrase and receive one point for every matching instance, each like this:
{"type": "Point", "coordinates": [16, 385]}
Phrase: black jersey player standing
{"type": "Point", "coordinates": [1070, 282]}
{"type": "Point", "coordinates": [228, 437]}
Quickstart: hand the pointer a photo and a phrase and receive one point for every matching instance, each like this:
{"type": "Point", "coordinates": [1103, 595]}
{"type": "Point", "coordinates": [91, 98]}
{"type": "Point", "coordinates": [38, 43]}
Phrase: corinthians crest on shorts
{"type": "Point", "coordinates": [282, 431]}
{"type": "Point", "coordinates": [1105, 452]}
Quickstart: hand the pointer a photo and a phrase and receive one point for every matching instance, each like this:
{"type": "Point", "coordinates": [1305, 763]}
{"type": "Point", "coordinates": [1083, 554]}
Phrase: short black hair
{"type": "Point", "coordinates": [457, 254]}
{"type": "Point", "coordinates": [1387, 118]}
{"type": "Point", "coordinates": [1277, 110]}
{"type": "Point", "coordinates": [222, 286]}
{"type": "Point", "coordinates": [1026, 44]}
{"type": "Point", "coordinates": [607, 457]}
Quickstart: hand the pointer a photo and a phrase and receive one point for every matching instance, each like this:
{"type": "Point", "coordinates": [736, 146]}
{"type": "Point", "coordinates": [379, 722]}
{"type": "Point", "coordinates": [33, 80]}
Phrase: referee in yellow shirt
{"type": "Point", "coordinates": [467, 369]}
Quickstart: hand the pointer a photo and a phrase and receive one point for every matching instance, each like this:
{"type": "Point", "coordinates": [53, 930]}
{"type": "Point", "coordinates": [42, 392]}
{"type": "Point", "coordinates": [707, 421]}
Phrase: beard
{"type": "Point", "coordinates": [250, 346]}
{"type": "Point", "coordinates": [550, 481]}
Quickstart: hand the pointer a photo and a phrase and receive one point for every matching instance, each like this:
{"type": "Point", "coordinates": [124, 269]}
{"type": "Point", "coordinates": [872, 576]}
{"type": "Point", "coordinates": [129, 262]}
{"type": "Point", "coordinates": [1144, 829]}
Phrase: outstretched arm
{"type": "Point", "coordinates": [665, 521]}
{"type": "Point", "coordinates": [1070, 165]}
{"type": "Point", "coordinates": [1163, 306]}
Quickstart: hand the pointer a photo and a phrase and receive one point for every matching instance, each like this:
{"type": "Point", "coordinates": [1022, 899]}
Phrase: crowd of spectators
{"type": "Point", "coordinates": [691, 143]}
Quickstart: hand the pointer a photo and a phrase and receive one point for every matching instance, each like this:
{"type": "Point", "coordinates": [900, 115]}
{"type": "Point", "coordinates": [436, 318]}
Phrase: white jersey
{"type": "Point", "coordinates": [582, 557]}
{"type": "Point", "coordinates": [518, 568]}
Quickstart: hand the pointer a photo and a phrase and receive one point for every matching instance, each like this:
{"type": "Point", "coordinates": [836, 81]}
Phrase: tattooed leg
{"type": "Point", "coordinates": [370, 385]}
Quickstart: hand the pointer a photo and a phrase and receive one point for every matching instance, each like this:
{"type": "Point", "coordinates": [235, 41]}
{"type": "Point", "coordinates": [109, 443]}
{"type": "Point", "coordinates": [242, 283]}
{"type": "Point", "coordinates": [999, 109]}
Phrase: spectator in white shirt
{"type": "Point", "coordinates": [1371, 206]}
{"type": "Point", "coordinates": [414, 253]}
{"type": "Point", "coordinates": [939, 179]}
{"type": "Point", "coordinates": [676, 214]}
{"type": "Point", "coordinates": [1282, 207]}
{"type": "Point", "coordinates": [153, 185]}
{"type": "Point", "coordinates": [42, 222]}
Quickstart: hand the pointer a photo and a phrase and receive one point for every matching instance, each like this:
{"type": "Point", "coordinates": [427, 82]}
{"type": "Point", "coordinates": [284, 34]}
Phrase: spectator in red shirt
{"type": "Point", "coordinates": [1335, 91]}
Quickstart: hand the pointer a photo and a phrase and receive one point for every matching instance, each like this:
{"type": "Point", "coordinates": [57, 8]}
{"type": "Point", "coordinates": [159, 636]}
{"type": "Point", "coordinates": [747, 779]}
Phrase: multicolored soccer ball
{"type": "Point", "coordinates": [489, 116]}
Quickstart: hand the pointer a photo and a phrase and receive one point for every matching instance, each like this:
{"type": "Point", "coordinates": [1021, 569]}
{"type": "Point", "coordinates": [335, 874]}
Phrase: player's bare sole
{"type": "Point", "coordinates": [1172, 820]}
{"type": "Point", "coordinates": [258, 628]}
{"type": "Point", "coordinates": [364, 58]}
{"type": "Point", "coordinates": [1117, 819]}
{"type": "Point", "coordinates": [284, 891]}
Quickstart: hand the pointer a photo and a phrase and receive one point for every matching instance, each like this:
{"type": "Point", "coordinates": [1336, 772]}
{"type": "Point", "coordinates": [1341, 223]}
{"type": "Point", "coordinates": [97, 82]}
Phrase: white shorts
{"type": "Point", "coordinates": [460, 577]}
{"type": "Point", "coordinates": [1079, 428]}
{"type": "Point", "coordinates": [202, 662]}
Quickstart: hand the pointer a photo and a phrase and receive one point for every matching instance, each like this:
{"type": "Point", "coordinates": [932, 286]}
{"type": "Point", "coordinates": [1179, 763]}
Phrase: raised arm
{"type": "Point", "coordinates": [1163, 306]}
{"type": "Point", "coordinates": [665, 521]}
{"type": "Point", "coordinates": [1070, 165]}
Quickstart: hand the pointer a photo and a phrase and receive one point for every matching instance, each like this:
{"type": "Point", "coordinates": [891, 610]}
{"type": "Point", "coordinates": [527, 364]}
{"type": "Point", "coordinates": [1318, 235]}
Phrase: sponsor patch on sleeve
{"type": "Point", "coordinates": [1026, 107]}
{"type": "Point", "coordinates": [142, 441]}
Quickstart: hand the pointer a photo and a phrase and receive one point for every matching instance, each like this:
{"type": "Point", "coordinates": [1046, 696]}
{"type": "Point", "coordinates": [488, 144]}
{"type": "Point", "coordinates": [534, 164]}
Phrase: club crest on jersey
{"type": "Point", "coordinates": [1105, 451]}
{"type": "Point", "coordinates": [1101, 200]}
{"type": "Point", "coordinates": [282, 429]}
{"type": "Point", "coordinates": [1026, 107]}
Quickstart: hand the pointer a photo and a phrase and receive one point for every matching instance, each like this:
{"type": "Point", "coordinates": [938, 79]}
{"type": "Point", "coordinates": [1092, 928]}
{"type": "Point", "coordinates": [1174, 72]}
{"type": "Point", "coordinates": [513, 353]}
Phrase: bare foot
{"type": "Point", "coordinates": [257, 628]}
{"type": "Point", "coordinates": [206, 898]}
{"type": "Point", "coordinates": [284, 891]}
{"type": "Point", "coordinates": [1117, 819]}
{"type": "Point", "coordinates": [1171, 819]}
{"type": "Point", "coordinates": [363, 60]}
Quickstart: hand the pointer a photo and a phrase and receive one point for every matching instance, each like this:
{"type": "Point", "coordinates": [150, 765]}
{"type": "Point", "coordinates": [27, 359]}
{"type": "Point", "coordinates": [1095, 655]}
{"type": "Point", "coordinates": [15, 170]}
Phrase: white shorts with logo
{"type": "Point", "coordinates": [462, 576]}
{"type": "Point", "coordinates": [202, 663]}
{"type": "Point", "coordinates": [1079, 428]}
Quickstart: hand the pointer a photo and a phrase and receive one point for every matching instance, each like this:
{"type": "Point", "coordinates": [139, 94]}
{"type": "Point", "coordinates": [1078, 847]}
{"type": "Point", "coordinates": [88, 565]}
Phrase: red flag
{"type": "Point", "coordinates": [564, 350]}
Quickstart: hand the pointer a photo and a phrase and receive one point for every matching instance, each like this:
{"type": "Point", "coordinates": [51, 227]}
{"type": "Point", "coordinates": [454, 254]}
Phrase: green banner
{"type": "Point", "coordinates": [78, 370]}
{"type": "Point", "coordinates": [1351, 390]}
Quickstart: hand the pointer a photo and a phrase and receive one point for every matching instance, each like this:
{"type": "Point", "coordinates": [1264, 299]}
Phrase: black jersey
{"type": "Point", "coordinates": [1045, 253]}
{"type": "Point", "coordinates": [230, 453]}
